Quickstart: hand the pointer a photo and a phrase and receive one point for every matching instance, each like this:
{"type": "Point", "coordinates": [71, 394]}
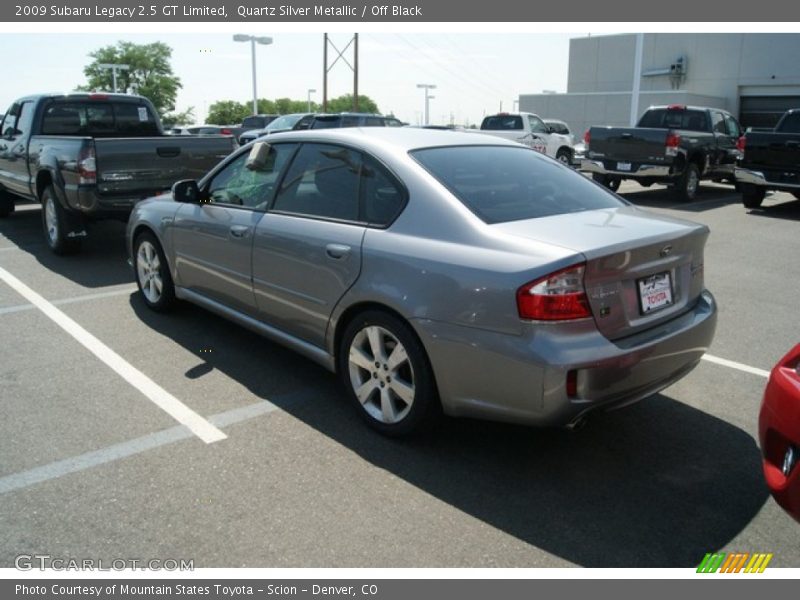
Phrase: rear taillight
{"type": "Point", "coordinates": [225, 131]}
{"type": "Point", "coordinates": [559, 296]}
{"type": "Point", "coordinates": [87, 165]}
{"type": "Point", "coordinates": [741, 143]}
{"type": "Point", "coordinates": [587, 137]}
{"type": "Point", "coordinates": [672, 143]}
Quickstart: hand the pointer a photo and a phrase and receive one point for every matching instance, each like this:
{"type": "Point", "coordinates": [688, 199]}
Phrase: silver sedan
{"type": "Point", "coordinates": [435, 273]}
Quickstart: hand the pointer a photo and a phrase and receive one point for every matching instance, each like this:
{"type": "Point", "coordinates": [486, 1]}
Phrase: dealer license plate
{"type": "Point", "coordinates": [623, 166]}
{"type": "Point", "coordinates": [655, 292]}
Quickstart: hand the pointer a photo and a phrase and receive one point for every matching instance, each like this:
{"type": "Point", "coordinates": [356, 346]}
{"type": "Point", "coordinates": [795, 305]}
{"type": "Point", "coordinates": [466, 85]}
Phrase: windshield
{"type": "Point", "coordinates": [506, 183]}
{"type": "Point", "coordinates": [284, 122]}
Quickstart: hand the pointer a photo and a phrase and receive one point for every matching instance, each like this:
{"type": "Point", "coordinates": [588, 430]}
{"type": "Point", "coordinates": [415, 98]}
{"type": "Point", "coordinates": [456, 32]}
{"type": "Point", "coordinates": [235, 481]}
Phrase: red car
{"type": "Point", "coordinates": [779, 432]}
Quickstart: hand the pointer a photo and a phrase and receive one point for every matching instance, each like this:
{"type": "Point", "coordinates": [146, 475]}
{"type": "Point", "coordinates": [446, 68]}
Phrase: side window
{"type": "Point", "coordinates": [305, 122]}
{"type": "Point", "coordinates": [373, 122]}
{"type": "Point", "coordinates": [25, 118]}
{"type": "Point", "coordinates": [322, 182]}
{"type": "Point", "coordinates": [382, 196]}
{"type": "Point", "coordinates": [392, 122]}
{"type": "Point", "coordinates": [718, 123]}
{"type": "Point", "coordinates": [251, 188]}
{"type": "Point", "coordinates": [537, 125]}
{"type": "Point", "coordinates": [9, 121]}
{"type": "Point", "coordinates": [733, 127]}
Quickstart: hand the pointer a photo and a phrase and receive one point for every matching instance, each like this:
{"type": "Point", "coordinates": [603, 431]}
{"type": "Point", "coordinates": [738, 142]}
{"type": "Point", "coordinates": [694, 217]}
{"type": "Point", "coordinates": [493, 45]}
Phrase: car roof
{"type": "Point", "coordinates": [399, 138]}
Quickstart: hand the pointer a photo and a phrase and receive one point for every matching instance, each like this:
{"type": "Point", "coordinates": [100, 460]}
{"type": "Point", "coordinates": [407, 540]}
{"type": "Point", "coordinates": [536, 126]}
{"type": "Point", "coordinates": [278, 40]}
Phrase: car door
{"type": "Point", "coordinates": [307, 248]}
{"type": "Point", "coordinates": [722, 142]}
{"type": "Point", "coordinates": [16, 130]}
{"type": "Point", "coordinates": [213, 240]}
{"type": "Point", "coordinates": [542, 139]}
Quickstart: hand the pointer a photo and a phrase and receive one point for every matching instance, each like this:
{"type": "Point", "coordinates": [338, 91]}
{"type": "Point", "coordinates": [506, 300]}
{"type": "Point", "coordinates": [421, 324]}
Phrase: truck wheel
{"type": "Point", "coordinates": [752, 196]}
{"type": "Point", "coordinates": [386, 373]}
{"type": "Point", "coordinates": [152, 273]}
{"type": "Point", "coordinates": [6, 204]}
{"type": "Point", "coordinates": [689, 183]}
{"type": "Point", "coordinates": [613, 183]}
{"type": "Point", "coordinates": [796, 195]}
{"type": "Point", "coordinates": [54, 223]}
{"type": "Point", "coordinates": [564, 156]}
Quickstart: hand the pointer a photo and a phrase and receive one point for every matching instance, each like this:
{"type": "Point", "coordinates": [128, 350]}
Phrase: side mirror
{"type": "Point", "coordinates": [259, 157]}
{"type": "Point", "coordinates": [186, 190]}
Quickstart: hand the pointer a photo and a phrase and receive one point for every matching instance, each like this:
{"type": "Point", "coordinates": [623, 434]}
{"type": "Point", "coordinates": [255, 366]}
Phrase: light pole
{"type": "Point", "coordinates": [114, 68]}
{"type": "Point", "coordinates": [427, 87]}
{"type": "Point", "coordinates": [265, 40]}
{"type": "Point", "coordinates": [310, 91]}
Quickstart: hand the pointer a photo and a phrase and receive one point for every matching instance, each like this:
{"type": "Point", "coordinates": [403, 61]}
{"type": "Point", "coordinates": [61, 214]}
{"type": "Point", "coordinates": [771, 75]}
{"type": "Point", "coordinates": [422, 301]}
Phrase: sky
{"type": "Point", "coordinates": [474, 72]}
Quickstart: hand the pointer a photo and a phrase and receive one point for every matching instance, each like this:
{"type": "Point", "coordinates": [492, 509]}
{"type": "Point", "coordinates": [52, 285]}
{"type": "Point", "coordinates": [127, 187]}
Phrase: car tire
{"type": "Point", "coordinates": [54, 224]}
{"type": "Point", "coordinates": [151, 270]}
{"type": "Point", "coordinates": [796, 195]}
{"type": "Point", "coordinates": [611, 183]}
{"type": "Point", "coordinates": [564, 156]}
{"type": "Point", "coordinates": [6, 204]}
{"type": "Point", "coordinates": [397, 399]}
{"type": "Point", "coordinates": [752, 196]}
{"type": "Point", "coordinates": [689, 183]}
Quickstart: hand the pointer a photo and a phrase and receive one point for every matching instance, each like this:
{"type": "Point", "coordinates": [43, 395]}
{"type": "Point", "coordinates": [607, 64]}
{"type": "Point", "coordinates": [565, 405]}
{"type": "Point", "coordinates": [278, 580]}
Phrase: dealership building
{"type": "Point", "coordinates": [755, 76]}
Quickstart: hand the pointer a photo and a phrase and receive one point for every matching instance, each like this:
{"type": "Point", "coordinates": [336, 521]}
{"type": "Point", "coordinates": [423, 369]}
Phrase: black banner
{"type": "Point", "coordinates": [309, 11]}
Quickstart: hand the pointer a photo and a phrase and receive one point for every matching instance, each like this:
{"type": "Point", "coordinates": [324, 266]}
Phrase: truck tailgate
{"type": "Point", "coordinates": [143, 166]}
{"type": "Point", "coordinates": [628, 144]}
{"type": "Point", "coordinates": [772, 150]}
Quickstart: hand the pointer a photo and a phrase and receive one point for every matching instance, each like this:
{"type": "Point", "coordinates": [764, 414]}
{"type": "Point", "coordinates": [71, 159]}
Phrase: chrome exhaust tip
{"type": "Point", "coordinates": [577, 423]}
{"type": "Point", "coordinates": [789, 460]}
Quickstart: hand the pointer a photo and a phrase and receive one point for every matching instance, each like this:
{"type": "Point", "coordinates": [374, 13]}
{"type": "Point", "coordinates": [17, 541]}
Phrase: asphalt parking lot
{"type": "Point", "coordinates": [92, 468]}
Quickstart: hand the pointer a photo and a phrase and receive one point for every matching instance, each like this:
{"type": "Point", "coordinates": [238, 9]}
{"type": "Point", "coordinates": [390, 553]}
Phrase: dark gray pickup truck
{"type": "Point", "coordinates": [770, 160]}
{"type": "Point", "coordinates": [93, 156]}
{"type": "Point", "coordinates": [676, 144]}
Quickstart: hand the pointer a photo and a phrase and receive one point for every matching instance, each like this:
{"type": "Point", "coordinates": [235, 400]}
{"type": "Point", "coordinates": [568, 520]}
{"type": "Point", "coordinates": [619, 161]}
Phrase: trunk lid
{"type": "Point", "coordinates": [628, 144]}
{"type": "Point", "coordinates": [144, 166]}
{"type": "Point", "coordinates": [631, 255]}
{"type": "Point", "coordinates": [772, 150]}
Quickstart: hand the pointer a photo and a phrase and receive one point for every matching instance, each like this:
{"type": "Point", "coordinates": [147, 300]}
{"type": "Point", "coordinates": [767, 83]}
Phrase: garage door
{"type": "Point", "coordinates": [765, 111]}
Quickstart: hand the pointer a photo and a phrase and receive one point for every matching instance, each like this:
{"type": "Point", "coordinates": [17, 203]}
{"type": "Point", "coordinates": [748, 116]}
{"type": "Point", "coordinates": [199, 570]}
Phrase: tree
{"type": "Point", "coordinates": [178, 119]}
{"type": "Point", "coordinates": [227, 112]}
{"type": "Point", "coordinates": [345, 104]}
{"type": "Point", "coordinates": [150, 73]}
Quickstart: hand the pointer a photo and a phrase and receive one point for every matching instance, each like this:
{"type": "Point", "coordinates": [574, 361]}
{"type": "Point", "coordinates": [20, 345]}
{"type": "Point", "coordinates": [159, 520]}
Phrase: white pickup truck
{"type": "Point", "coordinates": [530, 130]}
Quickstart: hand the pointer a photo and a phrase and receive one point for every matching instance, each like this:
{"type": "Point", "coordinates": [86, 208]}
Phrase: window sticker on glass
{"type": "Point", "coordinates": [142, 113]}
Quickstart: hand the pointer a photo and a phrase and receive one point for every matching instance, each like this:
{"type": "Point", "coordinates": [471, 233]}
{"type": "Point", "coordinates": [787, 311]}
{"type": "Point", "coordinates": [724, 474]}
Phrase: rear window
{"type": "Point", "coordinates": [790, 123]}
{"type": "Point", "coordinates": [501, 184]}
{"type": "Point", "coordinates": [664, 118]}
{"type": "Point", "coordinates": [99, 119]}
{"type": "Point", "coordinates": [502, 123]}
{"type": "Point", "coordinates": [258, 121]}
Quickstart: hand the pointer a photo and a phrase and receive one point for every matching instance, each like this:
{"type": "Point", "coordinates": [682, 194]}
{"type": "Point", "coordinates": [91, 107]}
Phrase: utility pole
{"type": "Point", "coordinates": [114, 68]}
{"type": "Point", "coordinates": [327, 68]}
{"type": "Point", "coordinates": [427, 87]}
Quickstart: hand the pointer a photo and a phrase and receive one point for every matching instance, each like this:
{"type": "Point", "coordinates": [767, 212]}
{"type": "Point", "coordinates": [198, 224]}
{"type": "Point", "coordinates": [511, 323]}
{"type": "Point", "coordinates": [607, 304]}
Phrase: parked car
{"type": "Point", "coordinates": [770, 160]}
{"type": "Point", "coordinates": [92, 156]}
{"type": "Point", "coordinates": [292, 122]}
{"type": "Point", "coordinates": [345, 119]}
{"type": "Point", "coordinates": [257, 121]}
{"type": "Point", "coordinates": [530, 130]}
{"type": "Point", "coordinates": [779, 432]}
{"type": "Point", "coordinates": [435, 271]}
{"type": "Point", "coordinates": [678, 145]}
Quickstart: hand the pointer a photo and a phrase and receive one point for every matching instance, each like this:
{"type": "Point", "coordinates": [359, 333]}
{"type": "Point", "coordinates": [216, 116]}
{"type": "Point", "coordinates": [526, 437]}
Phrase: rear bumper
{"type": "Point", "coordinates": [643, 172]}
{"type": "Point", "coordinates": [758, 178]}
{"type": "Point", "coordinates": [523, 378]}
{"type": "Point", "coordinates": [87, 201]}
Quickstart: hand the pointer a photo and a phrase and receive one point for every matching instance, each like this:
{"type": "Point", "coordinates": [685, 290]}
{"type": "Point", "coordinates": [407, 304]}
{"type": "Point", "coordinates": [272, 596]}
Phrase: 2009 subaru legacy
{"type": "Point", "coordinates": [435, 272]}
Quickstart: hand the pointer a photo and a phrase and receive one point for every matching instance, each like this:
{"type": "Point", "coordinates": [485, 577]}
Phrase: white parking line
{"type": "Point", "coordinates": [155, 393]}
{"type": "Point", "coordinates": [736, 365]}
{"type": "Point", "coordinates": [128, 289]}
{"type": "Point", "coordinates": [59, 468]}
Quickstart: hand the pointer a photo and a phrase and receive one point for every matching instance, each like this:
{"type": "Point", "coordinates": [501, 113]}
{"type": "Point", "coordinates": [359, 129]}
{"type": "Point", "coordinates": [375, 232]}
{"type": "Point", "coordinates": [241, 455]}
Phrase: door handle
{"type": "Point", "coordinates": [239, 231]}
{"type": "Point", "coordinates": [337, 251]}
